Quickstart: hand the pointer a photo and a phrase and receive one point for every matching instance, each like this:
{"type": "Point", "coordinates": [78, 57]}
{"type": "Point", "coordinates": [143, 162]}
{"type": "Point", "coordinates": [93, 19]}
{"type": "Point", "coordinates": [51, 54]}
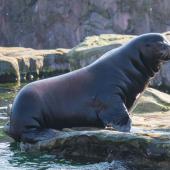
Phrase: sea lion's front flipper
{"type": "Point", "coordinates": [116, 116]}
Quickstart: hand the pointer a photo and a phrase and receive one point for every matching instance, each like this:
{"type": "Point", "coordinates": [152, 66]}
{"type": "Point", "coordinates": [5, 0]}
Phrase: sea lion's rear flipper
{"type": "Point", "coordinates": [37, 135]}
{"type": "Point", "coordinates": [34, 140]}
{"type": "Point", "coordinates": [116, 115]}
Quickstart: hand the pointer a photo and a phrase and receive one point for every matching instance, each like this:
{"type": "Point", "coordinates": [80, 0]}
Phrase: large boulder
{"type": "Point", "coordinates": [152, 101]}
{"type": "Point", "coordinates": [95, 46]}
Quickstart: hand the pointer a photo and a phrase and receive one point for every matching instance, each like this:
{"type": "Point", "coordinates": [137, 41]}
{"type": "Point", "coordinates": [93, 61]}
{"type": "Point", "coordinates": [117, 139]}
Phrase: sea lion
{"type": "Point", "coordinates": [97, 95]}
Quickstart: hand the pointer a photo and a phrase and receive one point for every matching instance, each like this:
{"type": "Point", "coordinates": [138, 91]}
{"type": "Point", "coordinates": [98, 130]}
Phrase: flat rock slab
{"type": "Point", "coordinates": [140, 138]}
{"type": "Point", "coordinates": [146, 146]}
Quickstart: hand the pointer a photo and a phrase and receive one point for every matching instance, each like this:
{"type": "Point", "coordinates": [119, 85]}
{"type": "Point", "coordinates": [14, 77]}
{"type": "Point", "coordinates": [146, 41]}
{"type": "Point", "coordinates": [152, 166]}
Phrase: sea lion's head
{"type": "Point", "coordinates": [153, 47]}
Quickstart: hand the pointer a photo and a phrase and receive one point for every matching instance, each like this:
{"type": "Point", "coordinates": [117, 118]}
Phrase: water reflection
{"type": "Point", "coordinates": [28, 160]}
{"type": "Point", "coordinates": [12, 158]}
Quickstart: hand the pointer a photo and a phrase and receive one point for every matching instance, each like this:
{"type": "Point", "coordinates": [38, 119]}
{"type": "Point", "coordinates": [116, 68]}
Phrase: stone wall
{"type": "Point", "coordinates": [64, 23]}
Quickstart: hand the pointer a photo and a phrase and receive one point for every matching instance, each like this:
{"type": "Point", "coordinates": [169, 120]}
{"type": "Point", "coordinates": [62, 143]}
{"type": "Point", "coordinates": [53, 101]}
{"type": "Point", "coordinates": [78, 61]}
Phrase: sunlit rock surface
{"type": "Point", "coordinates": [20, 64]}
{"type": "Point", "coordinates": [146, 146]}
{"type": "Point", "coordinates": [94, 47]}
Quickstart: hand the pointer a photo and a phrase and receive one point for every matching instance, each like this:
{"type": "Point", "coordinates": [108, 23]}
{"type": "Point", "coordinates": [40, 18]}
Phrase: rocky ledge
{"type": "Point", "coordinates": [19, 64]}
{"type": "Point", "coordinates": [146, 146]}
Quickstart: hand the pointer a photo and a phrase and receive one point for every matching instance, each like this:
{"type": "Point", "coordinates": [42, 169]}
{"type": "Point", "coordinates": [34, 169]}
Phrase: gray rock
{"type": "Point", "coordinates": [94, 47]}
{"type": "Point", "coordinates": [20, 64]}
